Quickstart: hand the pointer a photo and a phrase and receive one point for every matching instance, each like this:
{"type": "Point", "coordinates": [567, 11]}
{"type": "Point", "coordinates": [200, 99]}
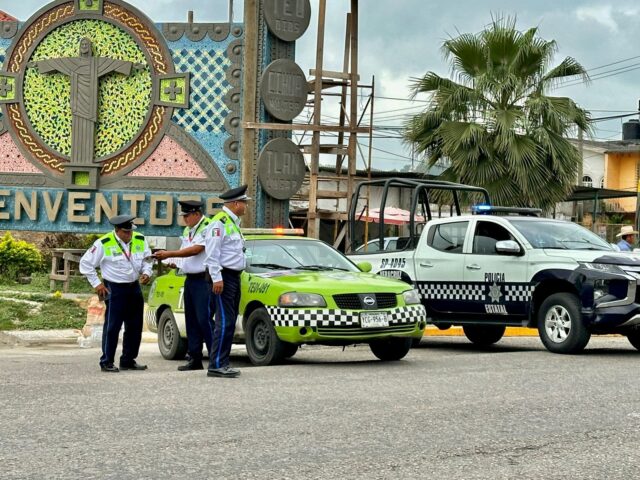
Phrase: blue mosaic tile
{"type": "Point", "coordinates": [208, 88]}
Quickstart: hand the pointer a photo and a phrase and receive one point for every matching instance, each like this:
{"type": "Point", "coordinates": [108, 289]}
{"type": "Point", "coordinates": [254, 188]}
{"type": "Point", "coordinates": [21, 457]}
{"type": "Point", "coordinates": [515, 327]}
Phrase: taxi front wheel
{"type": "Point", "coordinates": [172, 346]}
{"type": "Point", "coordinates": [390, 349]}
{"type": "Point", "coordinates": [263, 345]}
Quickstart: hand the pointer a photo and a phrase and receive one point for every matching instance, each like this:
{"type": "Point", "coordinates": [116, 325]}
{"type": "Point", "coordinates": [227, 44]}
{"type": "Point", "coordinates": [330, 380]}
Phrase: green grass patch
{"type": "Point", "coordinates": [32, 296]}
{"type": "Point", "coordinates": [55, 313]}
{"type": "Point", "coordinates": [40, 283]}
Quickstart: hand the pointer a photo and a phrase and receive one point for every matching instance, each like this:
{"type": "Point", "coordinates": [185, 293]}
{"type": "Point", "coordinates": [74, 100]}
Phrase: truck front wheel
{"type": "Point", "coordinates": [560, 324]}
{"type": "Point", "coordinates": [391, 349]}
{"type": "Point", "coordinates": [634, 338]}
{"type": "Point", "coordinates": [483, 335]}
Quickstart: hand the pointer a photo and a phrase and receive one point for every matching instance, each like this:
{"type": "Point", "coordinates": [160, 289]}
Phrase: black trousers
{"type": "Point", "coordinates": [124, 305]}
{"type": "Point", "coordinates": [225, 307]}
{"type": "Point", "coordinates": [197, 316]}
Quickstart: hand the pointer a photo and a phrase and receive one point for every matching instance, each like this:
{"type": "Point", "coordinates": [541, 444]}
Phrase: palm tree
{"type": "Point", "coordinates": [494, 125]}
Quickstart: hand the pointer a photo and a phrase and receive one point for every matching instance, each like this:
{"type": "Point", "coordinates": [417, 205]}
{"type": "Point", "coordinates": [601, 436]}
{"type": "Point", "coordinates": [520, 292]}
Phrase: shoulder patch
{"type": "Point", "coordinates": [138, 235]}
{"type": "Point", "coordinates": [105, 240]}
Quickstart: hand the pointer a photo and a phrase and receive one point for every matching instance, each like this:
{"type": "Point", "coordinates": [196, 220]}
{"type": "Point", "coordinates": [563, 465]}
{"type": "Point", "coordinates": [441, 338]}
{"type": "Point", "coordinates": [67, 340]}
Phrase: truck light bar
{"type": "Point", "coordinates": [483, 209]}
{"type": "Point", "coordinates": [273, 231]}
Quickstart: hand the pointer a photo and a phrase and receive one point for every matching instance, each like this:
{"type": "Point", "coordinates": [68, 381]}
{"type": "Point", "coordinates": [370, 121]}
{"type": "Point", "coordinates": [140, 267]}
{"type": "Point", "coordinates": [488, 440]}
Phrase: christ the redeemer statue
{"type": "Point", "coordinates": [84, 71]}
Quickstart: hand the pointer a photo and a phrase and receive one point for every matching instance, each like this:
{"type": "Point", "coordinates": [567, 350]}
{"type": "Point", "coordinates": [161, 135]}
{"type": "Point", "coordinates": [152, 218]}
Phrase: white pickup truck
{"type": "Point", "coordinates": [485, 272]}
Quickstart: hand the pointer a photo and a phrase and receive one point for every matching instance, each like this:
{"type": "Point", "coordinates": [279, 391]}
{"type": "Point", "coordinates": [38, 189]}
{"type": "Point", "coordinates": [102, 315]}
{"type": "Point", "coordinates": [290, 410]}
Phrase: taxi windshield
{"type": "Point", "coordinates": [559, 235]}
{"type": "Point", "coordinates": [288, 254]}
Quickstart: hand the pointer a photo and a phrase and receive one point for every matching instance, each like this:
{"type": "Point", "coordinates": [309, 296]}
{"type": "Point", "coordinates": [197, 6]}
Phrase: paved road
{"type": "Point", "coordinates": [446, 412]}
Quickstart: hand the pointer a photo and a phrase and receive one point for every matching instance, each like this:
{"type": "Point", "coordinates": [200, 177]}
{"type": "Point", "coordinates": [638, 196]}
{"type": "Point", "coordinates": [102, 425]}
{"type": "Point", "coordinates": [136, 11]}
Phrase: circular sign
{"type": "Point", "coordinates": [281, 168]}
{"type": "Point", "coordinates": [287, 19]}
{"type": "Point", "coordinates": [88, 69]}
{"type": "Point", "coordinates": [284, 89]}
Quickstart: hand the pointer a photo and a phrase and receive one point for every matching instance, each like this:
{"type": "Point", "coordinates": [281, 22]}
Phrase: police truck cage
{"type": "Point", "coordinates": [497, 210]}
{"type": "Point", "coordinates": [418, 194]}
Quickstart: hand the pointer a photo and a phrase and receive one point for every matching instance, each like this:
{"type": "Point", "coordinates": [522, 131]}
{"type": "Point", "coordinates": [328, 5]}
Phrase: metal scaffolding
{"type": "Point", "coordinates": [348, 128]}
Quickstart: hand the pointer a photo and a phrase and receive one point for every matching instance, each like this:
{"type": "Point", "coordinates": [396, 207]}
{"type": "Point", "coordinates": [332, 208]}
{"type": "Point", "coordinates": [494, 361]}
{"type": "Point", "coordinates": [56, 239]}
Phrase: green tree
{"type": "Point", "coordinates": [494, 125]}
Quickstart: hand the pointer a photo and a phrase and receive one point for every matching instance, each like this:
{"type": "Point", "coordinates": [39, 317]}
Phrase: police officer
{"type": "Point", "coordinates": [225, 262]}
{"type": "Point", "coordinates": [123, 258]}
{"type": "Point", "coordinates": [196, 286]}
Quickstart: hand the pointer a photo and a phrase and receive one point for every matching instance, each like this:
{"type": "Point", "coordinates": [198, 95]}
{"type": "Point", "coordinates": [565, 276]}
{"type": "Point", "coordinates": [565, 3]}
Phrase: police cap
{"type": "Point", "coordinates": [235, 194]}
{"type": "Point", "coordinates": [125, 222]}
{"type": "Point", "coordinates": [190, 206]}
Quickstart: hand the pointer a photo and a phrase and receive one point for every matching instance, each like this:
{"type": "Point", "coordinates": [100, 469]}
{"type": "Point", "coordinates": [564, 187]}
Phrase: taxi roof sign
{"type": "Point", "coordinates": [273, 231]}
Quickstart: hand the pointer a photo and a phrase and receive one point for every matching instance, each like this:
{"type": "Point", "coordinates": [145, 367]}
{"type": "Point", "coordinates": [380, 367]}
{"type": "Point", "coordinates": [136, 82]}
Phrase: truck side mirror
{"type": "Point", "coordinates": [508, 247]}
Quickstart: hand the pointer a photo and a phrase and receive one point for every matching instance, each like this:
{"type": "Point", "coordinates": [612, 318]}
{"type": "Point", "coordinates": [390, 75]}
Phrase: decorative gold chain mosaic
{"type": "Point", "coordinates": [130, 155]}
{"type": "Point", "coordinates": [32, 145]}
{"type": "Point", "coordinates": [59, 13]}
{"type": "Point", "coordinates": [123, 16]}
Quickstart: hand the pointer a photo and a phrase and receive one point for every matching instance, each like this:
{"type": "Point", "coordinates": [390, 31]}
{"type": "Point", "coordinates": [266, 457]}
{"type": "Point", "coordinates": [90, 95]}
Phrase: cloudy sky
{"type": "Point", "coordinates": [401, 39]}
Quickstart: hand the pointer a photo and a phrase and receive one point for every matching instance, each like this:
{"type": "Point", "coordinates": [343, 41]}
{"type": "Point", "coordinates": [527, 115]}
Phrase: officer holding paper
{"type": "Point", "coordinates": [190, 258]}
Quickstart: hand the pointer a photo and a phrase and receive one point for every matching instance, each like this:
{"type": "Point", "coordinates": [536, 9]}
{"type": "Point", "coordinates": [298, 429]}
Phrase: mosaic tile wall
{"type": "Point", "coordinates": [123, 102]}
{"type": "Point", "coordinates": [169, 160]}
{"type": "Point", "coordinates": [3, 50]}
{"type": "Point", "coordinates": [174, 160]}
{"type": "Point", "coordinates": [207, 62]}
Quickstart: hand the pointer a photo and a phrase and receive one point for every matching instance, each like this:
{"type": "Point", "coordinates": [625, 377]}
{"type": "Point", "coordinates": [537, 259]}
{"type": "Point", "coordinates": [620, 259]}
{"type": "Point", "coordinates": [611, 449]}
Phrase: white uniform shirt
{"type": "Point", "coordinates": [224, 250]}
{"type": "Point", "coordinates": [194, 264]}
{"type": "Point", "coordinates": [119, 268]}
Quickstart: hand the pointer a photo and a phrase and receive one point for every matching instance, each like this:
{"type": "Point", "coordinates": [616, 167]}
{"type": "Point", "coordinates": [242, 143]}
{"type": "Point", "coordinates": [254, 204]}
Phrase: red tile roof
{"type": "Point", "coordinates": [5, 17]}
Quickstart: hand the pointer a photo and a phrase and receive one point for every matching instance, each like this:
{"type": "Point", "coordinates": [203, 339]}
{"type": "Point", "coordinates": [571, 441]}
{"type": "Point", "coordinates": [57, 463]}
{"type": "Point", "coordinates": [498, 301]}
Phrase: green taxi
{"type": "Point", "coordinates": [298, 290]}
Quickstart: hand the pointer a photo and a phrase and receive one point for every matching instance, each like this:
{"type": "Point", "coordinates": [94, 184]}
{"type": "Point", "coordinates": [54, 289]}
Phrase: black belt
{"type": "Point", "coordinates": [122, 284]}
{"type": "Point", "coordinates": [234, 272]}
{"type": "Point", "coordinates": [200, 275]}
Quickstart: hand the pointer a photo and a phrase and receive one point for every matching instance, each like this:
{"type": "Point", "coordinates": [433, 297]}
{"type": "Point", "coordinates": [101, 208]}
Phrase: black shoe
{"type": "Point", "coordinates": [109, 368]}
{"type": "Point", "coordinates": [191, 365]}
{"type": "Point", "coordinates": [133, 366]}
{"type": "Point", "coordinates": [225, 372]}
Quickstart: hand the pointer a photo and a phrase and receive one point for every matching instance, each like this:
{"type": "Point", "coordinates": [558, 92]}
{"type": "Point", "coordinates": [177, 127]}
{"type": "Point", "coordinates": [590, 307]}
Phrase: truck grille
{"type": "Point", "coordinates": [353, 301]}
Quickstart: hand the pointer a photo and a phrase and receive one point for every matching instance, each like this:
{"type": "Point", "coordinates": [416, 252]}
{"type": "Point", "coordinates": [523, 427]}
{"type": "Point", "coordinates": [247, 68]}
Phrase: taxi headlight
{"type": "Point", "coordinates": [411, 297]}
{"type": "Point", "coordinates": [295, 299]}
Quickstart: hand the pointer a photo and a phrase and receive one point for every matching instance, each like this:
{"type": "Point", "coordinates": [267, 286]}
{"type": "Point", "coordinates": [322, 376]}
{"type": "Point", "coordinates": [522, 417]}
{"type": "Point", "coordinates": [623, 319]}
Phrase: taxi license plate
{"type": "Point", "coordinates": [373, 319]}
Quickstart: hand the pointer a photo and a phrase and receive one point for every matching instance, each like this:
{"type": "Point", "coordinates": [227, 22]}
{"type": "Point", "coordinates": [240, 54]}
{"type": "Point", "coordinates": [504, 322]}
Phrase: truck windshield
{"type": "Point", "coordinates": [288, 254]}
{"type": "Point", "coordinates": [559, 235]}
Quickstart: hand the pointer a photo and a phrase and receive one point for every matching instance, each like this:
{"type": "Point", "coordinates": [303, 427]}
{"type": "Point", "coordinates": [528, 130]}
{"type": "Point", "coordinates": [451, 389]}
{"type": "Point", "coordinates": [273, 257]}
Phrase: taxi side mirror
{"type": "Point", "coordinates": [364, 266]}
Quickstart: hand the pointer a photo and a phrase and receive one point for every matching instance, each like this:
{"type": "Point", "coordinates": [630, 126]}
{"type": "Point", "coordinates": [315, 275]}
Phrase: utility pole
{"type": "Point", "coordinates": [637, 219]}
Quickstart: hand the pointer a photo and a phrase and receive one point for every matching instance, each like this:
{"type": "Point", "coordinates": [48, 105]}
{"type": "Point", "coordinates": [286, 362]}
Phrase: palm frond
{"type": "Point", "coordinates": [493, 122]}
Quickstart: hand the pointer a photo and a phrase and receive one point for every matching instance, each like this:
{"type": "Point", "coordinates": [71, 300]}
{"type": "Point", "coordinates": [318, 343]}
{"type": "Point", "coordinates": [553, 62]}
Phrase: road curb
{"type": "Point", "coordinates": [38, 338]}
{"type": "Point", "coordinates": [433, 331]}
